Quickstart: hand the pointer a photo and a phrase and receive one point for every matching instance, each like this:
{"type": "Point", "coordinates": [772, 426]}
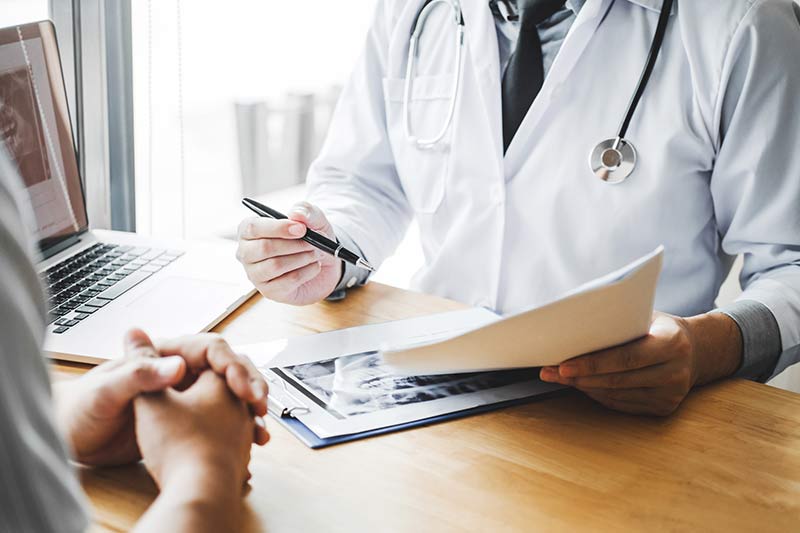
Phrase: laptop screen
{"type": "Point", "coordinates": [36, 131]}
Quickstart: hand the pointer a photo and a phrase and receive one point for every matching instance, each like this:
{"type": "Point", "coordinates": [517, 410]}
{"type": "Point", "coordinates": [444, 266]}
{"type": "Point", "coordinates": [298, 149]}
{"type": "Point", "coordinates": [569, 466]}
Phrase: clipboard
{"type": "Point", "coordinates": [284, 415]}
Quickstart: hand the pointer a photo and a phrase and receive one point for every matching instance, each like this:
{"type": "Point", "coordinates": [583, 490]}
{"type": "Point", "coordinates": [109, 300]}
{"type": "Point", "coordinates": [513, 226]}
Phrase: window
{"type": "Point", "coordinates": [22, 11]}
{"type": "Point", "coordinates": [232, 98]}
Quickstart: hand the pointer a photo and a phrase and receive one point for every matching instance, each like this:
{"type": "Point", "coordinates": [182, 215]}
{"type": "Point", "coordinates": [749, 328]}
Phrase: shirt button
{"type": "Point", "coordinates": [351, 282]}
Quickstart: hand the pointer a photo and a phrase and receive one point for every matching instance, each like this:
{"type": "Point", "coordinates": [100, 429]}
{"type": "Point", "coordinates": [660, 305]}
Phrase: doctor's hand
{"type": "Point", "coordinates": [283, 267]}
{"type": "Point", "coordinates": [95, 411]}
{"type": "Point", "coordinates": [654, 374]}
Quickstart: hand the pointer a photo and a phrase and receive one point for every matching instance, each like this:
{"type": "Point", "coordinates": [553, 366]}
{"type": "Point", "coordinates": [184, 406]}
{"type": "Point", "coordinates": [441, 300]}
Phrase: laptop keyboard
{"type": "Point", "coordinates": [88, 281]}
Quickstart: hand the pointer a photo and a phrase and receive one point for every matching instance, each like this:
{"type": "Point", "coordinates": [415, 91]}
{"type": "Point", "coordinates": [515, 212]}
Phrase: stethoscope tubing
{"type": "Point", "coordinates": [413, 54]}
{"type": "Point", "coordinates": [655, 49]}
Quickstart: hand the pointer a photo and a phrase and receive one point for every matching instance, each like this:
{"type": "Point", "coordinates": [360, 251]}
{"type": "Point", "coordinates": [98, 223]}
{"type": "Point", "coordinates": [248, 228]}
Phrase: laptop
{"type": "Point", "coordinates": [100, 283]}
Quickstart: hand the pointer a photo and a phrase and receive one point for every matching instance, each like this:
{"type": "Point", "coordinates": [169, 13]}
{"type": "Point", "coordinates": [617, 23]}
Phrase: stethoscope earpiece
{"type": "Point", "coordinates": [613, 160]}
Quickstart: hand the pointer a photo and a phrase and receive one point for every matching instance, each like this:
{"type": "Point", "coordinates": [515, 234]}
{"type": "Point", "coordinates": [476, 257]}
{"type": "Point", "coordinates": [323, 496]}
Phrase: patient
{"type": "Point", "coordinates": [189, 407]}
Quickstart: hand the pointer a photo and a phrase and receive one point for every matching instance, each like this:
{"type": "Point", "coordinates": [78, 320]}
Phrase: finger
{"type": "Point", "coordinates": [209, 386]}
{"type": "Point", "coordinates": [138, 344]}
{"type": "Point", "coordinates": [268, 228]}
{"type": "Point", "coordinates": [291, 281]}
{"type": "Point", "coordinates": [644, 401]}
{"type": "Point", "coordinates": [211, 351]}
{"type": "Point", "coordinates": [631, 356]}
{"type": "Point", "coordinates": [273, 268]}
{"type": "Point", "coordinates": [247, 388]}
{"type": "Point", "coordinates": [260, 433]}
{"type": "Point", "coordinates": [312, 216]}
{"type": "Point", "coordinates": [258, 250]}
{"type": "Point", "coordinates": [652, 376]}
{"type": "Point", "coordinates": [139, 375]}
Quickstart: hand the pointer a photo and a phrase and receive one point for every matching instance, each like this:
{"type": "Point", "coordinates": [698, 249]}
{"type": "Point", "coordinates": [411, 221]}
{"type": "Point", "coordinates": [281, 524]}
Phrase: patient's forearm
{"type": "Point", "coordinates": [199, 500]}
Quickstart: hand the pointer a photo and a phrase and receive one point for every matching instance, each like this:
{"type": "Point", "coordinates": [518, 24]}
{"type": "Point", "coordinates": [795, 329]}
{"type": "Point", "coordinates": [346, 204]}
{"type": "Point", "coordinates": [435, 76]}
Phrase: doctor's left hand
{"type": "Point", "coordinates": [654, 374]}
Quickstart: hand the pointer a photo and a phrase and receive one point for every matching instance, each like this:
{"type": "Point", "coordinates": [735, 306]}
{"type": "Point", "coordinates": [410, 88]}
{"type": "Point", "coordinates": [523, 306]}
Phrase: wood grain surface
{"type": "Point", "coordinates": [728, 460]}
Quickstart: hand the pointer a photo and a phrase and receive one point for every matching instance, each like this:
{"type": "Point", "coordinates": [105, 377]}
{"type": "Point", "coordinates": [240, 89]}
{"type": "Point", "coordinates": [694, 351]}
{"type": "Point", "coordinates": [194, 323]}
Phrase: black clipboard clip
{"type": "Point", "coordinates": [285, 409]}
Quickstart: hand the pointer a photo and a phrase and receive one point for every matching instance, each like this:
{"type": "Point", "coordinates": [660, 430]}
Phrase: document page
{"type": "Point", "coordinates": [606, 312]}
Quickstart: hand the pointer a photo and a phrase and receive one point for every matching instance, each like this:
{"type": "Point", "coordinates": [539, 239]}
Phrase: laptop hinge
{"type": "Point", "coordinates": [60, 246]}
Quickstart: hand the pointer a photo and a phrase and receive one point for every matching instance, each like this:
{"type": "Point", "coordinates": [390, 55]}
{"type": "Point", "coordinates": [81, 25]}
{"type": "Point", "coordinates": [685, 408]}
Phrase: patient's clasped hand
{"type": "Point", "coordinates": [190, 407]}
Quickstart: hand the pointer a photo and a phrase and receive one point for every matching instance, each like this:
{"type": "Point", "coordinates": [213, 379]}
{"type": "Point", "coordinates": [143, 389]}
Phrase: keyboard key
{"type": "Point", "coordinates": [97, 302]}
{"type": "Point", "coordinates": [66, 322]}
{"type": "Point", "coordinates": [59, 330]}
{"type": "Point", "coordinates": [175, 253]}
{"type": "Point", "coordinates": [80, 316]}
{"type": "Point", "coordinates": [85, 309]}
{"type": "Point", "coordinates": [124, 286]}
{"type": "Point", "coordinates": [124, 248]}
{"type": "Point", "coordinates": [138, 251]}
{"type": "Point", "coordinates": [150, 268]}
{"type": "Point", "coordinates": [159, 262]}
{"type": "Point", "coordinates": [106, 283]}
{"type": "Point", "coordinates": [152, 254]}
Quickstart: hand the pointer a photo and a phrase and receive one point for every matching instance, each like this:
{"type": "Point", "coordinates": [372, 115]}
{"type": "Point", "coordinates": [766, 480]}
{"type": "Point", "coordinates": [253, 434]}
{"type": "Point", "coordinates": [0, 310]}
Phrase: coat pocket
{"type": "Point", "coordinates": [422, 171]}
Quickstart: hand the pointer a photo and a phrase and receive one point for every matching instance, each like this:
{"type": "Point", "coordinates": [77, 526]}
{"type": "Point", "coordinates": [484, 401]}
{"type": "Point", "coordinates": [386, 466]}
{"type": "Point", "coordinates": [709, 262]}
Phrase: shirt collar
{"type": "Point", "coordinates": [654, 5]}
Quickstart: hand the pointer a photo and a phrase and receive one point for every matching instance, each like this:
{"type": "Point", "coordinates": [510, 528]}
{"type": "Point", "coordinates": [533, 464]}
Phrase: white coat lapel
{"type": "Point", "coordinates": [575, 43]}
{"type": "Point", "coordinates": [482, 51]}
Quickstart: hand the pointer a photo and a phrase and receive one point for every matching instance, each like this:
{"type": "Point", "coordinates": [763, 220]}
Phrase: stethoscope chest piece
{"type": "Point", "coordinates": [613, 160]}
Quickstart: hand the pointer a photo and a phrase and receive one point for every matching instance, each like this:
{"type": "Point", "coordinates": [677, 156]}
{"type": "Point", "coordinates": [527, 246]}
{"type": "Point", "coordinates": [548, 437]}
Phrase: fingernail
{"type": "Point", "coordinates": [297, 230]}
{"type": "Point", "coordinates": [167, 367]}
{"type": "Point", "coordinates": [260, 422]}
{"type": "Point", "coordinates": [301, 210]}
{"type": "Point", "coordinates": [548, 374]}
{"type": "Point", "coordinates": [259, 388]}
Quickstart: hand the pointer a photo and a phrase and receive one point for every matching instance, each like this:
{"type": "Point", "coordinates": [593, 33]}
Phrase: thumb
{"type": "Point", "coordinates": [312, 216]}
{"type": "Point", "coordinates": [118, 387]}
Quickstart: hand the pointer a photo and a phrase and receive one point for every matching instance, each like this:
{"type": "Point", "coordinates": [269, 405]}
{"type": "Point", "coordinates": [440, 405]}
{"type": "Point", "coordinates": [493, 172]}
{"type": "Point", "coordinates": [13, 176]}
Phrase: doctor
{"type": "Point", "coordinates": [513, 212]}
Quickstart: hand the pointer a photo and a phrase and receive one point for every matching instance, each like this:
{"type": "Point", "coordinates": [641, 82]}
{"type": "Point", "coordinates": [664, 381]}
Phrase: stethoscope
{"type": "Point", "coordinates": [612, 160]}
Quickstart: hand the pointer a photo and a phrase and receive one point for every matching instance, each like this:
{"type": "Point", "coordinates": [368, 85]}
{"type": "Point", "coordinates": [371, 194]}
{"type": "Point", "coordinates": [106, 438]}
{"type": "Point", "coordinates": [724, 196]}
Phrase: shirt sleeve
{"type": "Point", "coordinates": [38, 488]}
{"type": "Point", "coordinates": [761, 338]}
{"type": "Point", "coordinates": [755, 184]}
{"type": "Point", "coordinates": [354, 179]}
{"type": "Point", "coordinates": [352, 276]}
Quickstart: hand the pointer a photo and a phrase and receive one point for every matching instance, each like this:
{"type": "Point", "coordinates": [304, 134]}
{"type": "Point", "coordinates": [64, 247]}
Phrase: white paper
{"type": "Point", "coordinates": [606, 312]}
{"type": "Point", "coordinates": [312, 348]}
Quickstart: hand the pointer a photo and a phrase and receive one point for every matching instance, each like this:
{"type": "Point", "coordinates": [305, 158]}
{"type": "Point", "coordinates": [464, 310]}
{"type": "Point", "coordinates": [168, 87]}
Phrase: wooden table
{"type": "Point", "coordinates": [728, 460]}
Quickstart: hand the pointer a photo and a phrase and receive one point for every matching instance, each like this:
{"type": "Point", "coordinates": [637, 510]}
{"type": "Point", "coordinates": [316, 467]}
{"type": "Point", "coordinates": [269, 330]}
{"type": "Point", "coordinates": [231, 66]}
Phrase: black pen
{"type": "Point", "coordinates": [313, 238]}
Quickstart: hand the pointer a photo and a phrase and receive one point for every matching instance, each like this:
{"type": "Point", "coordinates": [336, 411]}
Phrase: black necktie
{"type": "Point", "coordinates": [524, 74]}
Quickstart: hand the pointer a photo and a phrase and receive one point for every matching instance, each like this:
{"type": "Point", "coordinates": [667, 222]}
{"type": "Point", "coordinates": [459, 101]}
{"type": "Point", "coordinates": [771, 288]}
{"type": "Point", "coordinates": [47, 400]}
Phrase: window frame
{"type": "Point", "coordinates": [96, 51]}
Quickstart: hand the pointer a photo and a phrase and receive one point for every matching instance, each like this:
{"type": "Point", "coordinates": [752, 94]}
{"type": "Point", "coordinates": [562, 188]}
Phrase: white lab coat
{"type": "Point", "coordinates": [717, 132]}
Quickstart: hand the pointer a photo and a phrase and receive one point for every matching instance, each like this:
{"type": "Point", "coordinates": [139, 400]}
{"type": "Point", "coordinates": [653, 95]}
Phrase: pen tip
{"type": "Point", "coordinates": [366, 266]}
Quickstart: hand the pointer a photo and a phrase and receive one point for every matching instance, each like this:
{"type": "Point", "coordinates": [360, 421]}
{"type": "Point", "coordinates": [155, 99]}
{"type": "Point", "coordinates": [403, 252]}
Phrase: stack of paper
{"type": "Point", "coordinates": [609, 311]}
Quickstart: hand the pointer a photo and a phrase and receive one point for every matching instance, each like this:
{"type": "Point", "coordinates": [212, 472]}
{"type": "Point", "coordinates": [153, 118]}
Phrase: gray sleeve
{"type": "Point", "coordinates": [352, 276]}
{"type": "Point", "coordinates": [761, 338]}
{"type": "Point", "coordinates": [38, 488]}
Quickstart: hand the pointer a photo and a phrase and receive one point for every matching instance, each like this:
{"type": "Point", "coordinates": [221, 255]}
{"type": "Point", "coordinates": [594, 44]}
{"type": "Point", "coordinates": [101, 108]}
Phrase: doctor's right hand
{"type": "Point", "coordinates": [282, 266]}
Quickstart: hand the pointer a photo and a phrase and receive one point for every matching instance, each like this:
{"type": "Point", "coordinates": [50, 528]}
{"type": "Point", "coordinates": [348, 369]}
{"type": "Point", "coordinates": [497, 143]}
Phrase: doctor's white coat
{"type": "Point", "coordinates": [717, 132]}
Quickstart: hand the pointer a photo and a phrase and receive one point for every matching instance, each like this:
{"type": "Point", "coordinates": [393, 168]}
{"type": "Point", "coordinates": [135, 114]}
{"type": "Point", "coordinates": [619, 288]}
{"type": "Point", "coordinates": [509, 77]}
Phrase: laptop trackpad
{"type": "Point", "coordinates": [180, 306]}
